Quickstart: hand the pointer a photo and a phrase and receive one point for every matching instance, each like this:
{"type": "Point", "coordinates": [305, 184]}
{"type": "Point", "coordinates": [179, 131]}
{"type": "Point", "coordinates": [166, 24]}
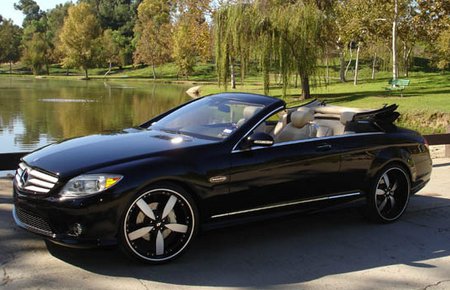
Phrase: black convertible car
{"type": "Point", "coordinates": [213, 161]}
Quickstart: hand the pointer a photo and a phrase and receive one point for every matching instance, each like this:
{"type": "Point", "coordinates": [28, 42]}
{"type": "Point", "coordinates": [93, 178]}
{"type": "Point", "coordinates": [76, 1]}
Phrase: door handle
{"type": "Point", "coordinates": [323, 147]}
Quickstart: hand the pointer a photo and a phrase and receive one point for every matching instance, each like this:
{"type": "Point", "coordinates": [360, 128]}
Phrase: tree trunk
{"type": "Point", "coordinates": [86, 76]}
{"type": "Point", "coordinates": [10, 67]}
{"type": "Point", "coordinates": [342, 67]}
{"type": "Point", "coordinates": [67, 71]}
{"type": "Point", "coordinates": [406, 60]}
{"type": "Point", "coordinates": [355, 78]}
{"type": "Point", "coordinates": [349, 62]}
{"type": "Point", "coordinates": [394, 42]}
{"type": "Point", "coordinates": [47, 69]}
{"type": "Point", "coordinates": [327, 70]}
{"type": "Point", "coordinates": [296, 81]}
{"type": "Point", "coordinates": [153, 71]}
{"type": "Point", "coordinates": [109, 69]}
{"type": "Point", "coordinates": [306, 94]}
{"type": "Point", "coordinates": [232, 76]}
{"type": "Point", "coordinates": [373, 65]}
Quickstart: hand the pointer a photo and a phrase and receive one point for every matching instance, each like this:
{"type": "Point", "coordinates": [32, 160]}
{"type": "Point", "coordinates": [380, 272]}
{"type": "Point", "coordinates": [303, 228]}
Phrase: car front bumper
{"type": "Point", "coordinates": [78, 223]}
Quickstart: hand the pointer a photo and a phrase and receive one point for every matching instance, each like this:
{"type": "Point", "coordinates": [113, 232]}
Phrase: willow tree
{"type": "Point", "coordinates": [299, 30]}
{"type": "Point", "coordinates": [280, 35]}
{"type": "Point", "coordinates": [233, 35]}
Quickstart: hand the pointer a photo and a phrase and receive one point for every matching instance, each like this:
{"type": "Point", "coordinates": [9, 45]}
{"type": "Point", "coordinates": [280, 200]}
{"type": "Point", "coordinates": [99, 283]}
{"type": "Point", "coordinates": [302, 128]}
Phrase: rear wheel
{"type": "Point", "coordinates": [389, 195]}
{"type": "Point", "coordinates": [159, 224]}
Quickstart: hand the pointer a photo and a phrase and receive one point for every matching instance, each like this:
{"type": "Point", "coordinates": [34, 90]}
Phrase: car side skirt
{"type": "Point", "coordinates": [298, 202]}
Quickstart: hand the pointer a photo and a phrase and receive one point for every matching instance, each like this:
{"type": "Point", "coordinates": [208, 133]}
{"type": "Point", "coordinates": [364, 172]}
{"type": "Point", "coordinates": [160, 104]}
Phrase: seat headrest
{"type": "Point", "coordinates": [249, 111]}
{"type": "Point", "coordinates": [301, 117]}
{"type": "Point", "coordinates": [346, 116]}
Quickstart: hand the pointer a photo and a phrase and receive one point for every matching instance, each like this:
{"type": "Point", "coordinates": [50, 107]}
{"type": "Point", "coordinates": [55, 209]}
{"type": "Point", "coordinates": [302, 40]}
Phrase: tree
{"type": "Point", "coordinates": [191, 38]}
{"type": "Point", "coordinates": [10, 36]}
{"type": "Point", "coordinates": [299, 27]}
{"type": "Point", "coordinates": [153, 33]}
{"type": "Point", "coordinates": [443, 49]}
{"type": "Point", "coordinates": [79, 38]}
{"type": "Point", "coordinates": [55, 21]}
{"type": "Point", "coordinates": [30, 9]}
{"type": "Point", "coordinates": [433, 24]}
{"type": "Point", "coordinates": [36, 46]}
{"type": "Point", "coordinates": [285, 34]}
{"type": "Point", "coordinates": [110, 48]}
{"type": "Point", "coordinates": [119, 16]}
{"type": "Point", "coordinates": [233, 37]}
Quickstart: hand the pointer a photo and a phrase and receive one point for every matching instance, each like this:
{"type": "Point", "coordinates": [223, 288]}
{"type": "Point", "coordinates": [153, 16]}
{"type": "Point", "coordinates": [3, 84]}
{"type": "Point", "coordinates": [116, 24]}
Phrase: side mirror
{"type": "Point", "coordinates": [259, 139]}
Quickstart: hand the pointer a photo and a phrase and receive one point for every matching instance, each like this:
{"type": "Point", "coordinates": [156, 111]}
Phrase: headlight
{"type": "Point", "coordinates": [89, 184]}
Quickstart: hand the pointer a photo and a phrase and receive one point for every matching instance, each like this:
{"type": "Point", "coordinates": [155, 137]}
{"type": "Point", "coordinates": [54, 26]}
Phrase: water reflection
{"type": "Point", "coordinates": [34, 112]}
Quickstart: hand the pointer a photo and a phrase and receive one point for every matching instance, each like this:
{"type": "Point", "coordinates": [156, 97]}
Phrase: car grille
{"type": "Point", "coordinates": [33, 223]}
{"type": "Point", "coordinates": [34, 180]}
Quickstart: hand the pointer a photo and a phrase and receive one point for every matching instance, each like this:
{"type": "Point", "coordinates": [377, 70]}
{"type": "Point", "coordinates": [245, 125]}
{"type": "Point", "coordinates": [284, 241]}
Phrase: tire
{"type": "Point", "coordinates": [389, 194]}
{"type": "Point", "coordinates": [159, 224]}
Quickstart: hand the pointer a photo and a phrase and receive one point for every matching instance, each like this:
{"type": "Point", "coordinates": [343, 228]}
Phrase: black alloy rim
{"type": "Point", "coordinates": [392, 193]}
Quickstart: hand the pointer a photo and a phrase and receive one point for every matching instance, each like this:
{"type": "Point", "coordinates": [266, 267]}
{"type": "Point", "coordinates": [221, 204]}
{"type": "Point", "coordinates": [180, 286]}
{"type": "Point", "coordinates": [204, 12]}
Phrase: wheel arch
{"type": "Point", "coordinates": [384, 158]}
{"type": "Point", "coordinates": [187, 186]}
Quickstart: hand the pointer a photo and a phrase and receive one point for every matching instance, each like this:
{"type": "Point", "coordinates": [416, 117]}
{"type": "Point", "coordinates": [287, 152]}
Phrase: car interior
{"type": "Point", "coordinates": [314, 122]}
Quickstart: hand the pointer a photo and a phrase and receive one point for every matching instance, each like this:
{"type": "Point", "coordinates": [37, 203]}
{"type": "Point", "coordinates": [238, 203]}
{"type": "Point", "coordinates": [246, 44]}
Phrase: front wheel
{"type": "Point", "coordinates": [389, 195]}
{"type": "Point", "coordinates": [159, 224]}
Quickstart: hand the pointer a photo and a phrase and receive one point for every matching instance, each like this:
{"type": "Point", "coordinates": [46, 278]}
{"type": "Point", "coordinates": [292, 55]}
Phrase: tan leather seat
{"type": "Point", "coordinates": [248, 112]}
{"type": "Point", "coordinates": [324, 131]}
{"type": "Point", "coordinates": [346, 117]}
{"type": "Point", "coordinates": [280, 125]}
{"type": "Point", "coordinates": [300, 126]}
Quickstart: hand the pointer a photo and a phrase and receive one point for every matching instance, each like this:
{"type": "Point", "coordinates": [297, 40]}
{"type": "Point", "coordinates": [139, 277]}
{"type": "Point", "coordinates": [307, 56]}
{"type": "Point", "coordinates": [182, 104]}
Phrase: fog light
{"type": "Point", "coordinates": [75, 230]}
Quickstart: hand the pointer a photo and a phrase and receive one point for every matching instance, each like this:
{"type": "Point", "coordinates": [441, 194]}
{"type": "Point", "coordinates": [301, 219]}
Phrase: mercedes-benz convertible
{"type": "Point", "coordinates": [217, 160]}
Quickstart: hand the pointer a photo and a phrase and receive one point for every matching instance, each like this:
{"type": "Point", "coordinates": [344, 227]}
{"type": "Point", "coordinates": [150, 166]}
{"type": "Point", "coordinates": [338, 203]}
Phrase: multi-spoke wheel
{"type": "Point", "coordinates": [390, 194]}
{"type": "Point", "coordinates": [159, 224]}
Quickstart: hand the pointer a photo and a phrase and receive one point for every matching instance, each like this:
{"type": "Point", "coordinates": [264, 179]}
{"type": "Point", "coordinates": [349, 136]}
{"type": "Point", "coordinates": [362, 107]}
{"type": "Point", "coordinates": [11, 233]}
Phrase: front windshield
{"type": "Point", "coordinates": [210, 117]}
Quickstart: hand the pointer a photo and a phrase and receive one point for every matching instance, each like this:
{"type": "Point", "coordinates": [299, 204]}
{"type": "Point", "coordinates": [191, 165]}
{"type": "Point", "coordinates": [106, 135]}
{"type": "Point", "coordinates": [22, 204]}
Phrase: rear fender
{"type": "Point", "coordinates": [392, 155]}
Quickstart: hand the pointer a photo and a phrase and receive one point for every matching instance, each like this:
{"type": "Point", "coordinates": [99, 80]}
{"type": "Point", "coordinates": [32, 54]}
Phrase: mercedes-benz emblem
{"type": "Point", "coordinates": [24, 177]}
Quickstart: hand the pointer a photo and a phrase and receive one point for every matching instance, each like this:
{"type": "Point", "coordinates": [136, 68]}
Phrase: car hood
{"type": "Point", "coordinates": [75, 156]}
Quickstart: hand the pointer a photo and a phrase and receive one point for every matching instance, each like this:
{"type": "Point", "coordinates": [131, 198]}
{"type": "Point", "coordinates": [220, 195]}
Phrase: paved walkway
{"type": "Point", "coordinates": [334, 250]}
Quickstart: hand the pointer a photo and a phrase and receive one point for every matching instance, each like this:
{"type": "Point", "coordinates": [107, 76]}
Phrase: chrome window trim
{"type": "Point", "coordinates": [306, 140]}
{"type": "Point", "coordinates": [288, 204]}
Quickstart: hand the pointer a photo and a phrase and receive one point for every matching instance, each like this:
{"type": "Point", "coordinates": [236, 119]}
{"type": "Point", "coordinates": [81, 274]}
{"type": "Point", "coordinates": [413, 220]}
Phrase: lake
{"type": "Point", "coordinates": [36, 112]}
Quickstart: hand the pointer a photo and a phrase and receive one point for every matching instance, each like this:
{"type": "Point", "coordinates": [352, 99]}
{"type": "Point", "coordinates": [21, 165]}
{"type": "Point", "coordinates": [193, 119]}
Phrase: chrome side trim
{"type": "Point", "coordinates": [308, 140]}
{"type": "Point", "coordinates": [257, 124]}
{"type": "Point", "coordinates": [287, 204]}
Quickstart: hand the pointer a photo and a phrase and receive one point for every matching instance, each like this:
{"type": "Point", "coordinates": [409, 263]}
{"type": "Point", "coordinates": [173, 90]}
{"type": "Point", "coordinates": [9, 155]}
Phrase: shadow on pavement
{"type": "Point", "coordinates": [288, 250]}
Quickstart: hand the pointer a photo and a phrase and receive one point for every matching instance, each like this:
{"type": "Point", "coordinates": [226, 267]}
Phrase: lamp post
{"type": "Point", "coordinates": [394, 40]}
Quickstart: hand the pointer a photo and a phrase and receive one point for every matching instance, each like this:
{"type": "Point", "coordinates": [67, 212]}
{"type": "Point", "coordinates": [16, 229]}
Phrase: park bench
{"type": "Point", "coordinates": [397, 85]}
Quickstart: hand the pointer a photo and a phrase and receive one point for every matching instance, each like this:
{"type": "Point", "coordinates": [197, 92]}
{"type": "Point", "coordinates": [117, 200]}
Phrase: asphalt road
{"type": "Point", "coordinates": [334, 250]}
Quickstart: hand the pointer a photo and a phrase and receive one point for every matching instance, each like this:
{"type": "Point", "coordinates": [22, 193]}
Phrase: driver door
{"type": "Point", "coordinates": [284, 173]}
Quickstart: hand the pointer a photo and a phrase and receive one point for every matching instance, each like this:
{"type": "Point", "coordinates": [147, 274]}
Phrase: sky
{"type": "Point", "coordinates": [7, 8]}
